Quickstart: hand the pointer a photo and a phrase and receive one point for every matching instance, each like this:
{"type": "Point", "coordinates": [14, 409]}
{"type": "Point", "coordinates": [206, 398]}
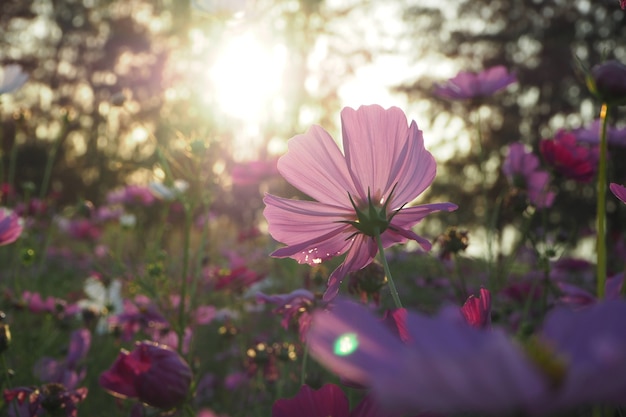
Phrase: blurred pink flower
{"type": "Point", "coordinates": [329, 400]}
{"type": "Point", "coordinates": [10, 226]}
{"type": "Point", "coordinates": [569, 158]}
{"type": "Point", "coordinates": [468, 85]}
{"type": "Point", "coordinates": [477, 310]}
{"type": "Point", "coordinates": [618, 191]}
{"type": "Point", "coordinates": [253, 172]}
{"type": "Point", "coordinates": [358, 194]}
{"type": "Point", "coordinates": [521, 167]}
{"type": "Point", "coordinates": [132, 195]}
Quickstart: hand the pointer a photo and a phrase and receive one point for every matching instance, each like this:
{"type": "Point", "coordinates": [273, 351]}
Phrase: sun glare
{"type": "Point", "coordinates": [247, 76]}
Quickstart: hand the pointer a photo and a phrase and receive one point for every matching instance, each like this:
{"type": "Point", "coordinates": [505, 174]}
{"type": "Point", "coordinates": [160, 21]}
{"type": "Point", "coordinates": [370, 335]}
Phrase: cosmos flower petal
{"type": "Point", "coordinates": [297, 221]}
{"type": "Point", "coordinates": [315, 165]}
{"type": "Point", "coordinates": [349, 338]}
{"type": "Point", "coordinates": [592, 341]}
{"type": "Point", "coordinates": [373, 140]}
{"type": "Point", "coordinates": [495, 78]}
{"type": "Point", "coordinates": [618, 191]}
{"type": "Point", "coordinates": [414, 170]}
{"type": "Point", "coordinates": [360, 254]}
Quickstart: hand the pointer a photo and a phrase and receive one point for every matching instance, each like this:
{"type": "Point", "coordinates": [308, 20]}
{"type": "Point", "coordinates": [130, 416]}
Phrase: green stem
{"type": "Point", "coordinates": [383, 260]}
{"type": "Point", "coordinates": [182, 316]}
{"type": "Point", "coordinates": [601, 206]}
{"type": "Point", "coordinates": [305, 356]}
{"type": "Point", "coordinates": [51, 158]}
{"type": "Point", "coordinates": [8, 382]}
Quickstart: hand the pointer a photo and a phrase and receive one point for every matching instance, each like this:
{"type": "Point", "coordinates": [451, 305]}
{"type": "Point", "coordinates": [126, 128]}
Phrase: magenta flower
{"type": "Point", "coordinates": [152, 373]}
{"type": "Point", "coordinates": [10, 226]}
{"type": "Point", "coordinates": [469, 85]}
{"type": "Point", "coordinates": [359, 195]}
{"type": "Point", "coordinates": [569, 158]}
{"type": "Point", "coordinates": [329, 400]}
{"type": "Point", "coordinates": [446, 366]}
{"type": "Point", "coordinates": [477, 310]}
{"type": "Point", "coordinates": [521, 167]}
{"type": "Point", "coordinates": [618, 191]}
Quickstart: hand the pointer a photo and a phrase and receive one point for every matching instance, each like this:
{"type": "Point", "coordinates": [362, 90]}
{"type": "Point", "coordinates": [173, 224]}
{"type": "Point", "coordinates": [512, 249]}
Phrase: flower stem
{"type": "Point", "coordinates": [182, 311]}
{"type": "Point", "coordinates": [601, 207]}
{"type": "Point", "coordinates": [383, 260]}
{"type": "Point", "coordinates": [305, 356]}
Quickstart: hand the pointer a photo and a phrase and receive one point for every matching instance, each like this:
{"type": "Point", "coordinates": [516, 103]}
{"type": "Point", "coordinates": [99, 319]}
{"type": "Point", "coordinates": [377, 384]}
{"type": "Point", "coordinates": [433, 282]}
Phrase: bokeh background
{"type": "Point", "coordinates": [117, 86]}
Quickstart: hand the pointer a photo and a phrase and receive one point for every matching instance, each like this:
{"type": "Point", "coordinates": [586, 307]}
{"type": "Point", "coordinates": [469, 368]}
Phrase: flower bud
{"type": "Point", "coordinates": [608, 82]}
{"type": "Point", "coordinates": [152, 373]}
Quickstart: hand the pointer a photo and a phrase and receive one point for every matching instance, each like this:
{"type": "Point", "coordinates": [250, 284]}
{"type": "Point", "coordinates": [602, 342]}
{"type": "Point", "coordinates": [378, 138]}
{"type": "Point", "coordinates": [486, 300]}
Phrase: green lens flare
{"type": "Point", "coordinates": [346, 344]}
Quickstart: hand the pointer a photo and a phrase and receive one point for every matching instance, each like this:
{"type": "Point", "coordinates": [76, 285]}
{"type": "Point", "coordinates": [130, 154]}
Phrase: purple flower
{"type": "Point", "coordinates": [618, 191]}
{"type": "Point", "coordinates": [359, 194]}
{"type": "Point", "coordinates": [10, 226]}
{"type": "Point", "coordinates": [569, 158]}
{"type": "Point", "coordinates": [152, 373]}
{"type": "Point", "coordinates": [446, 366]}
{"type": "Point", "coordinates": [591, 134]}
{"type": "Point", "coordinates": [66, 372]}
{"type": "Point", "coordinates": [521, 167]}
{"type": "Point", "coordinates": [47, 400]}
{"type": "Point", "coordinates": [469, 85]}
{"type": "Point", "coordinates": [329, 400]}
{"type": "Point", "coordinates": [142, 315]}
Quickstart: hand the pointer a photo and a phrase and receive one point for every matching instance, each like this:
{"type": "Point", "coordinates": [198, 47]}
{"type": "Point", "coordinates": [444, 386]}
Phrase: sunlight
{"type": "Point", "coordinates": [246, 77]}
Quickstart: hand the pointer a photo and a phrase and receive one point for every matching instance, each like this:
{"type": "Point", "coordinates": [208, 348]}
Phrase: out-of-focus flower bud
{"type": "Point", "coordinates": [152, 373]}
{"type": "Point", "coordinates": [607, 81]}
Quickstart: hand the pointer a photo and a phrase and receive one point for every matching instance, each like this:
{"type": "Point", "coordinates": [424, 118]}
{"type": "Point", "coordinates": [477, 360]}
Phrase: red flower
{"type": "Point", "coordinates": [570, 158]}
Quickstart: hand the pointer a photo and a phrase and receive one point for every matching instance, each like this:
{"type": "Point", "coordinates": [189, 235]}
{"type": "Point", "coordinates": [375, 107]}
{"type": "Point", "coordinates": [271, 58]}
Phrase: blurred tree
{"type": "Point", "coordinates": [539, 40]}
{"type": "Point", "coordinates": [113, 81]}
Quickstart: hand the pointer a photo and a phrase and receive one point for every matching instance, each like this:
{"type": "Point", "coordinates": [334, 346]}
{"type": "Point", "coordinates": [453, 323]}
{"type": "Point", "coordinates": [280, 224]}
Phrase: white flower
{"type": "Point", "coordinates": [105, 301]}
{"type": "Point", "coordinates": [128, 220]}
{"type": "Point", "coordinates": [12, 78]}
{"type": "Point", "coordinates": [164, 192]}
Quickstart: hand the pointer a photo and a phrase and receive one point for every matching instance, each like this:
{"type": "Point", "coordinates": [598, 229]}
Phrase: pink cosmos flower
{"type": "Point", "coordinates": [618, 191]}
{"type": "Point", "coordinates": [521, 167]}
{"type": "Point", "coordinates": [10, 226]}
{"type": "Point", "coordinates": [359, 194]}
{"type": "Point", "coordinates": [468, 85]}
{"type": "Point", "coordinates": [569, 158]}
{"type": "Point", "coordinates": [576, 360]}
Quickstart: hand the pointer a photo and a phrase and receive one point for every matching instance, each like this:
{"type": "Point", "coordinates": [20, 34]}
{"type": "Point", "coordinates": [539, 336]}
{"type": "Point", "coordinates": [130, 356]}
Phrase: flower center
{"type": "Point", "coordinates": [372, 218]}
